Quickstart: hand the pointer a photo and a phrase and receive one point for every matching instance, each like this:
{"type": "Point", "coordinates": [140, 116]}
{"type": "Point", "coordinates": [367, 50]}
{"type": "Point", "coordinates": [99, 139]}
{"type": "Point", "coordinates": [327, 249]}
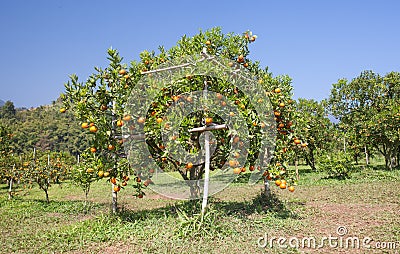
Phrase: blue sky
{"type": "Point", "coordinates": [314, 42]}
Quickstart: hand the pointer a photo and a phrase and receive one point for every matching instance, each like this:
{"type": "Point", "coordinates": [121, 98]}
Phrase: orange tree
{"type": "Point", "coordinates": [46, 169]}
{"type": "Point", "coordinates": [8, 168]}
{"type": "Point", "coordinates": [369, 108]}
{"type": "Point", "coordinates": [101, 104]}
{"type": "Point", "coordinates": [315, 128]}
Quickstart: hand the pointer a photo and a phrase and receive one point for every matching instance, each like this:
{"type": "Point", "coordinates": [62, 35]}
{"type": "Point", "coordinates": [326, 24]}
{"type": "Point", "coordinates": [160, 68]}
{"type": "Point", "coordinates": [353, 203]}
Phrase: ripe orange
{"type": "Point", "coordinates": [122, 72]}
{"type": "Point", "coordinates": [120, 123]}
{"type": "Point", "coordinates": [240, 59]}
{"type": "Point", "coordinates": [281, 104]}
{"type": "Point", "coordinates": [103, 107]}
{"type": "Point", "coordinates": [147, 182]}
{"type": "Point", "coordinates": [100, 173]}
{"type": "Point", "coordinates": [277, 90]}
{"type": "Point", "coordinates": [89, 170]}
{"type": "Point", "coordinates": [111, 147]}
{"type": "Point", "coordinates": [159, 120]}
{"type": "Point", "coordinates": [236, 139]}
{"type": "Point", "coordinates": [208, 42]}
{"type": "Point", "coordinates": [291, 188]}
{"type": "Point", "coordinates": [140, 195]}
{"type": "Point", "coordinates": [255, 124]}
{"type": "Point", "coordinates": [253, 38]}
{"type": "Point", "coordinates": [189, 165]}
{"type": "Point", "coordinates": [124, 183]}
{"type": "Point", "coordinates": [209, 120]}
{"type": "Point", "coordinates": [93, 129]}
{"type": "Point", "coordinates": [277, 113]}
{"type": "Point", "coordinates": [297, 141]}
{"type": "Point", "coordinates": [141, 120]}
{"type": "Point", "coordinates": [283, 181]}
{"type": "Point", "coordinates": [251, 168]}
{"type": "Point", "coordinates": [237, 171]}
{"type": "Point", "coordinates": [223, 103]}
{"type": "Point", "coordinates": [243, 169]}
{"type": "Point", "coordinates": [127, 118]}
{"type": "Point", "coordinates": [282, 186]}
{"type": "Point", "coordinates": [278, 182]}
{"type": "Point", "coordinates": [304, 145]}
{"type": "Point", "coordinates": [106, 174]}
{"type": "Point", "coordinates": [231, 114]}
{"type": "Point", "coordinates": [230, 64]}
{"type": "Point", "coordinates": [85, 125]}
{"type": "Point", "coordinates": [246, 65]}
{"type": "Point", "coordinates": [138, 180]}
{"type": "Point", "coordinates": [113, 180]}
{"type": "Point", "coordinates": [117, 188]}
{"type": "Point", "coordinates": [93, 149]}
{"type": "Point", "coordinates": [219, 96]}
{"type": "Point", "coordinates": [232, 163]}
{"type": "Point", "coordinates": [62, 110]}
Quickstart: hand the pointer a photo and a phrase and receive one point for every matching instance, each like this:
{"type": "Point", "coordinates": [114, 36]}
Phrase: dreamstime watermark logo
{"type": "Point", "coordinates": [173, 76]}
{"type": "Point", "coordinates": [340, 240]}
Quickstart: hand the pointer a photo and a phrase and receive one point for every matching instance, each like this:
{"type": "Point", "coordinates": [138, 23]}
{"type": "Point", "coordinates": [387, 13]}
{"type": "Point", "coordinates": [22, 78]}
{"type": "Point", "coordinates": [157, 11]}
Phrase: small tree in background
{"type": "Point", "coordinates": [368, 108]}
{"type": "Point", "coordinates": [315, 128]}
{"type": "Point", "coordinates": [46, 169]}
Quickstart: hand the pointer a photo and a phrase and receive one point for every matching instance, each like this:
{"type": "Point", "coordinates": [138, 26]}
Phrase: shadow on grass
{"type": "Point", "coordinates": [258, 205]}
{"type": "Point", "coordinates": [382, 167]}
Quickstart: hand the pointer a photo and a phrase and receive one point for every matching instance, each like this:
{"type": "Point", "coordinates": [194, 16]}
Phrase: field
{"type": "Point", "coordinates": [238, 221]}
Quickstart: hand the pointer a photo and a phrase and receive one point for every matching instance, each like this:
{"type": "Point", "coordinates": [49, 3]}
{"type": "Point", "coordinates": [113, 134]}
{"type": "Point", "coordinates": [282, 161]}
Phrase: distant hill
{"type": "Point", "coordinates": [1, 103]}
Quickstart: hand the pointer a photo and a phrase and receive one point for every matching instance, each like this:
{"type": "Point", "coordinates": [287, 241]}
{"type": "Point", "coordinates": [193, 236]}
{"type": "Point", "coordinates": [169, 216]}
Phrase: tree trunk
{"type": "Point", "coordinates": [366, 155]}
{"type": "Point", "coordinates": [114, 203]}
{"type": "Point", "coordinates": [311, 161]}
{"type": "Point", "coordinates": [267, 191]}
{"type": "Point", "coordinates": [10, 196]}
{"type": "Point", "coordinates": [47, 196]}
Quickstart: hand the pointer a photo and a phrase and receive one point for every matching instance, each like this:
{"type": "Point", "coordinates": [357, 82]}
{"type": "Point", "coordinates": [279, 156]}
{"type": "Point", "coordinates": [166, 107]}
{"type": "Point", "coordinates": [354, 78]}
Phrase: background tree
{"type": "Point", "coordinates": [7, 110]}
{"type": "Point", "coordinates": [315, 128]}
{"type": "Point", "coordinates": [46, 169]}
{"type": "Point", "coordinates": [44, 128]}
{"type": "Point", "coordinates": [369, 106]}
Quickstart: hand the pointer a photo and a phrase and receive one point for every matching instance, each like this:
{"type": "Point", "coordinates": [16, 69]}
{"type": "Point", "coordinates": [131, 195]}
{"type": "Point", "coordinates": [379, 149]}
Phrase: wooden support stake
{"type": "Point", "coordinates": [209, 128]}
{"type": "Point", "coordinates": [207, 171]}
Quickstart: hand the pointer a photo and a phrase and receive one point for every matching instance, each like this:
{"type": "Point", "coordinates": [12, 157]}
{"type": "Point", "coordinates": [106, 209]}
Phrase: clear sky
{"type": "Point", "coordinates": [314, 42]}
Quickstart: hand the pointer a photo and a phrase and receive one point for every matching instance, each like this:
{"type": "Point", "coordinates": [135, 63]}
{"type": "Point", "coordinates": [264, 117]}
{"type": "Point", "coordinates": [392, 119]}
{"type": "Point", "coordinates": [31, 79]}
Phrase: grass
{"type": "Point", "coordinates": [367, 204]}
